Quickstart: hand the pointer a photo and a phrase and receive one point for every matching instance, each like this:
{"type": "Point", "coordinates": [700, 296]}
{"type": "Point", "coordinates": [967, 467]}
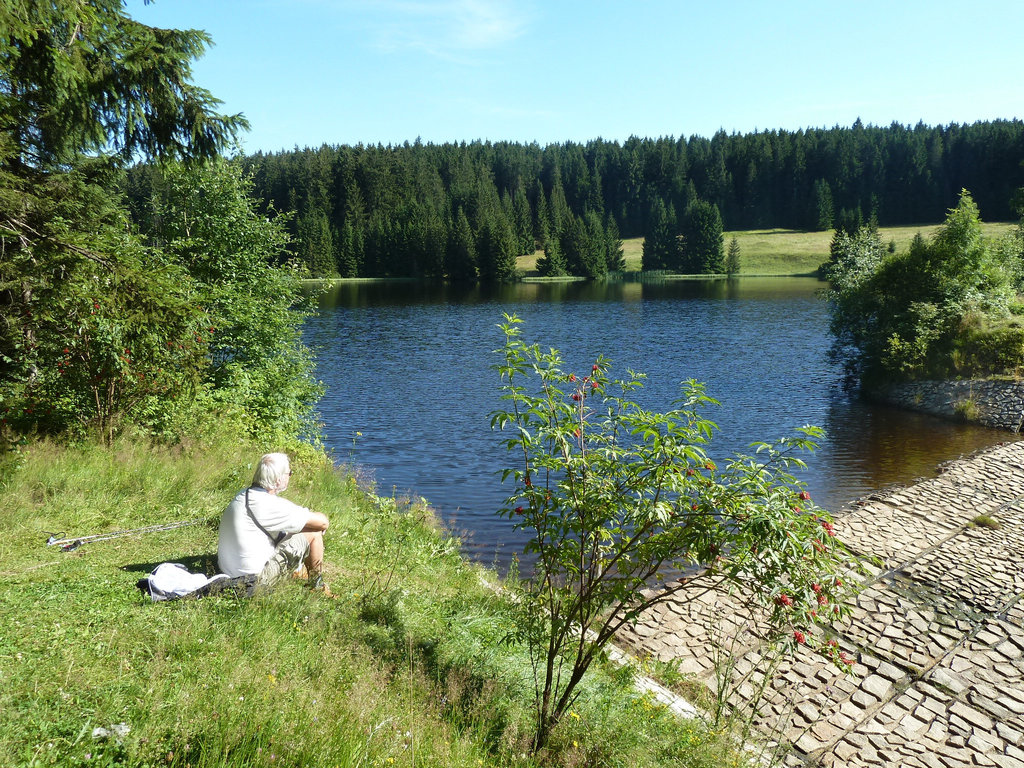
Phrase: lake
{"type": "Point", "coordinates": [411, 387]}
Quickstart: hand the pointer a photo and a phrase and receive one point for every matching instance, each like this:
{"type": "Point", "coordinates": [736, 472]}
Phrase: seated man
{"type": "Point", "coordinates": [263, 534]}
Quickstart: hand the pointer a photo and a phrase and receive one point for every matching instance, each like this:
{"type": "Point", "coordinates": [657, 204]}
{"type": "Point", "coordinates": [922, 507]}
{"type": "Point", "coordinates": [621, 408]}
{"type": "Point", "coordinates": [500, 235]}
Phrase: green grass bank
{"type": "Point", "coordinates": [405, 668]}
{"type": "Point", "coordinates": [783, 252]}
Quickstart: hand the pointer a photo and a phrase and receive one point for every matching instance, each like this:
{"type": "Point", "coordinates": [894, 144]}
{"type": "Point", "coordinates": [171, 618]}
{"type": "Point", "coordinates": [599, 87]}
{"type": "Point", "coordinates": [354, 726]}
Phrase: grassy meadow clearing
{"type": "Point", "coordinates": [782, 251]}
{"type": "Point", "coordinates": [405, 667]}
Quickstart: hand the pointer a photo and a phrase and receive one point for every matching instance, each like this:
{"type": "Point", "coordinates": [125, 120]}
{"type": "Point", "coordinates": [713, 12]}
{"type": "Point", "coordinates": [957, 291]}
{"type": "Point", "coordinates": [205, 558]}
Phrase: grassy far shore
{"type": "Point", "coordinates": [783, 251]}
{"type": "Point", "coordinates": [406, 667]}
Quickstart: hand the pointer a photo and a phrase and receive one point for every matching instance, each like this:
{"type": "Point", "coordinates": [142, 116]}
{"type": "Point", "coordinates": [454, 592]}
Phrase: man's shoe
{"type": "Point", "coordinates": [317, 584]}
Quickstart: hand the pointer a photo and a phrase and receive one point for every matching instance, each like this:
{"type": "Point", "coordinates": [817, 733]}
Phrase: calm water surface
{"type": "Point", "coordinates": [409, 366]}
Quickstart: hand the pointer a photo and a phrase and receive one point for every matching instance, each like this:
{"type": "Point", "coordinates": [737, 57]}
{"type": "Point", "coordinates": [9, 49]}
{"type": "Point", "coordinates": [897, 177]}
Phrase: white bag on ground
{"type": "Point", "coordinates": [171, 580]}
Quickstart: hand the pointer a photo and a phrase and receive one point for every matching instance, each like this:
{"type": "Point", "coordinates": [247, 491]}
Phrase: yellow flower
{"type": "Point", "coordinates": [574, 716]}
{"type": "Point", "coordinates": [576, 744]}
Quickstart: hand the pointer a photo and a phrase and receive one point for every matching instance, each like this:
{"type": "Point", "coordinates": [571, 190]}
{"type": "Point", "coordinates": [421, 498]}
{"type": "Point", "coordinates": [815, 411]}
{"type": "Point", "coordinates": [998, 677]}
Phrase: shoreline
{"type": "Point", "coordinates": [995, 403]}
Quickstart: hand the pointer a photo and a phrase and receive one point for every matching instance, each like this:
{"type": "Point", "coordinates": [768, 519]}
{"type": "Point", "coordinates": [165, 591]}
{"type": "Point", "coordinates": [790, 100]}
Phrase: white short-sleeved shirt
{"type": "Point", "coordinates": [242, 547]}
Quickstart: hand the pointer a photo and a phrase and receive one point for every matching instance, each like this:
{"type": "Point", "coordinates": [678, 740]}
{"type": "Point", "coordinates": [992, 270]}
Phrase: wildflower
{"type": "Point", "coordinates": [829, 528]}
{"type": "Point", "coordinates": [799, 636]}
{"type": "Point", "coordinates": [784, 599]}
{"type": "Point", "coordinates": [574, 716]}
{"type": "Point", "coordinates": [576, 396]}
{"type": "Point", "coordinates": [822, 600]}
{"type": "Point", "coordinates": [575, 744]}
{"type": "Point", "coordinates": [519, 510]}
{"type": "Point", "coordinates": [804, 496]}
{"type": "Point", "coordinates": [595, 369]}
{"type": "Point", "coordinates": [816, 588]}
{"type": "Point", "coordinates": [572, 377]}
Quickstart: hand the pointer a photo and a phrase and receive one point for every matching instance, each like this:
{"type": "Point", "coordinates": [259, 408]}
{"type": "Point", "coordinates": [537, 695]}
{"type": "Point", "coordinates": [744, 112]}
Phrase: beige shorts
{"type": "Point", "coordinates": [287, 558]}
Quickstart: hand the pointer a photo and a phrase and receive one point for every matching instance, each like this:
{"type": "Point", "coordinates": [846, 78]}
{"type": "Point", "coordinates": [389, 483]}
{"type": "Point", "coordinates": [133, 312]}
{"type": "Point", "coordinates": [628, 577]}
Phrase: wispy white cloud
{"type": "Point", "coordinates": [449, 29]}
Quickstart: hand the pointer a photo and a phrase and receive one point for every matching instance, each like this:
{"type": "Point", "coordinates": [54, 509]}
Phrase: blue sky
{"type": "Point", "coordinates": [308, 72]}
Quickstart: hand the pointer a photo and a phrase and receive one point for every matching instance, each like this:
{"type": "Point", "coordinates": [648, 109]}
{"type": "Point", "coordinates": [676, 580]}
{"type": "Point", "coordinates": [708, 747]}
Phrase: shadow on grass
{"type": "Point", "coordinates": [206, 564]}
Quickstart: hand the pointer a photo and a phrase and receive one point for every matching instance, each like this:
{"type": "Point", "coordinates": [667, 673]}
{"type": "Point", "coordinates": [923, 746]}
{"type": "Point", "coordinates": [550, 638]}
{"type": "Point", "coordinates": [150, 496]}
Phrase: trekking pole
{"type": "Point", "coordinates": [72, 543]}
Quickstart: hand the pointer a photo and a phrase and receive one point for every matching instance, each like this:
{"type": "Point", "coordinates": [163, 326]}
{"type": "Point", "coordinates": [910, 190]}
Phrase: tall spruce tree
{"type": "Point", "coordinates": [461, 257]}
{"type": "Point", "coordinates": [732, 258]}
{"type": "Point", "coordinates": [659, 249]}
{"type": "Point", "coordinates": [95, 329]}
{"type": "Point", "coordinates": [552, 263]}
{"type": "Point", "coordinates": [702, 231]}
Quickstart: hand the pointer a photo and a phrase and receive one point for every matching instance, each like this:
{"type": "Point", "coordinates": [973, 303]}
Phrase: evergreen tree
{"type": "Point", "coordinates": [461, 258]}
{"type": "Point", "coordinates": [96, 330]}
{"type": "Point", "coordinates": [583, 254]}
{"type": "Point", "coordinates": [552, 263]}
{"type": "Point", "coordinates": [348, 251]}
{"type": "Point", "coordinates": [523, 220]}
{"type": "Point", "coordinates": [659, 249]}
{"type": "Point", "coordinates": [496, 249]}
{"type": "Point", "coordinates": [316, 244]}
{"type": "Point", "coordinates": [615, 258]}
{"type": "Point", "coordinates": [702, 232]}
{"type": "Point", "coordinates": [732, 258]}
{"type": "Point", "coordinates": [823, 209]}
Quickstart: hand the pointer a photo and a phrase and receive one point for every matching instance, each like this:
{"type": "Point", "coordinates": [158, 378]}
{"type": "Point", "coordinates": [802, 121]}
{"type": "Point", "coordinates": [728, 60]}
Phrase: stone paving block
{"type": "Point", "coordinates": [949, 731]}
{"type": "Point", "coordinates": [985, 681]}
{"type": "Point", "coordinates": [1000, 473]}
{"type": "Point", "coordinates": [893, 534]}
{"type": "Point", "coordinates": [910, 623]}
{"type": "Point", "coordinates": [696, 628]}
{"type": "Point", "coordinates": [980, 566]}
{"type": "Point", "coordinates": [1015, 614]}
{"type": "Point", "coordinates": [811, 703]}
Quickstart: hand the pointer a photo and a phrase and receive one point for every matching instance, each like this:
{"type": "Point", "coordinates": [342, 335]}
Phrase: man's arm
{"type": "Point", "coordinates": [317, 522]}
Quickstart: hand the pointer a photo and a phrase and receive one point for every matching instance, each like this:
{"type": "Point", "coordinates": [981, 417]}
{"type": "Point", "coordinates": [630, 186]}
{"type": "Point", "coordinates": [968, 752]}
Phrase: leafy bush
{"type": "Point", "coordinates": [613, 495]}
{"type": "Point", "coordinates": [912, 315]}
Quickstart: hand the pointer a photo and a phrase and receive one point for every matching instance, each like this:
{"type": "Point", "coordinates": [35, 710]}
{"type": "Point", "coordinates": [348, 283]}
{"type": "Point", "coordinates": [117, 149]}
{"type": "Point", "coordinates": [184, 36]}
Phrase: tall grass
{"type": "Point", "coordinates": [406, 667]}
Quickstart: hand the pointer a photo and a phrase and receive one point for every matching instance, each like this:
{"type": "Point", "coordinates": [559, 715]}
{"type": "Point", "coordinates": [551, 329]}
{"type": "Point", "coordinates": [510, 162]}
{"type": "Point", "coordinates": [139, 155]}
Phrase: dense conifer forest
{"type": "Point", "coordinates": [465, 211]}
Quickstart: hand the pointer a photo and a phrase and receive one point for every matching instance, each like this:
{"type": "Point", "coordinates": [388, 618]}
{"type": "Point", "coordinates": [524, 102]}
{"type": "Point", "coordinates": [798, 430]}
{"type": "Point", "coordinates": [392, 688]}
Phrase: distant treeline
{"type": "Point", "coordinates": [465, 211]}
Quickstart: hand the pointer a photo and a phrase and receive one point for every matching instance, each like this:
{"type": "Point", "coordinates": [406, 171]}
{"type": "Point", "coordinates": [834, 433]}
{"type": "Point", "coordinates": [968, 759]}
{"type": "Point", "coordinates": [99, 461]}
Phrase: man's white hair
{"type": "Point", "coordinates": [270, 470]}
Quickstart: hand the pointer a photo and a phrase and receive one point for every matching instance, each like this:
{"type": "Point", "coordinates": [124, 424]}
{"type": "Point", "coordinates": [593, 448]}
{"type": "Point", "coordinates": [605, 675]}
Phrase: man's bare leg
{"type": "Point", "coordinates": [315, 560]}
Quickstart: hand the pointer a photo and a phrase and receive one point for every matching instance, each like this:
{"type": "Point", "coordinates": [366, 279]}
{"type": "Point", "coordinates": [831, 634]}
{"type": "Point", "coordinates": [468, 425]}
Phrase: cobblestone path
{"type": "Point", "coordinates": [937, 632]}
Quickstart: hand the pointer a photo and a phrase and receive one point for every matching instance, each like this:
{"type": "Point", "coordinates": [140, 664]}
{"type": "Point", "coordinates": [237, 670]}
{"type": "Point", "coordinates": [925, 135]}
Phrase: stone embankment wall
{"type": "Point", "coordinates": [937, 633]}
{"type": "Point", "coordinates": [991, 403]}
